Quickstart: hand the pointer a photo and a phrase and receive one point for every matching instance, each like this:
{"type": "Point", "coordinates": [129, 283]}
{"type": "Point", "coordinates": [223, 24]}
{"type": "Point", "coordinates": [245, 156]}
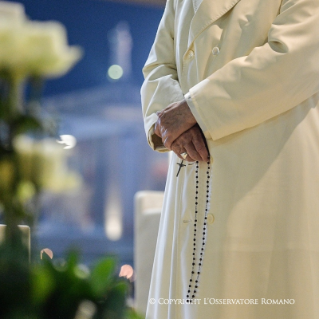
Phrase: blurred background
{"type": "Point", "coordinates": [97, 106]}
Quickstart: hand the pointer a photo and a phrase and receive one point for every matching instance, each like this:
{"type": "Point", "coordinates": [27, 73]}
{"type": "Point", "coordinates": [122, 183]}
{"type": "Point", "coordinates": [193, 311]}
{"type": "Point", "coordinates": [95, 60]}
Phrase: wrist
{"type": "Point", "coordinates": [189, 115]}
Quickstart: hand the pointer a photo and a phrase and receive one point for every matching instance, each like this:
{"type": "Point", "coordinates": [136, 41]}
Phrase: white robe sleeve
{"type": "Point", "coordinates": [271, 80]}
{"type": "Point", "coordinates": [161, 86]}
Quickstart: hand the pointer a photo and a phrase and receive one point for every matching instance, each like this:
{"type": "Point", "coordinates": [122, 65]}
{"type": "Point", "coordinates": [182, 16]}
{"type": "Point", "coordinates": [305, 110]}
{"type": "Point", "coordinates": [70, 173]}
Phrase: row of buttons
{"type": "Point", "coordinates": [210, 219]}
{"type": "Point", "coordinates": [215, 52]}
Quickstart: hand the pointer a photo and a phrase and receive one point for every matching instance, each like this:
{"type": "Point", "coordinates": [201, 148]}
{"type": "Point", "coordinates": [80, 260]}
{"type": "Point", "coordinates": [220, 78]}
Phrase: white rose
{"type": "Point", "coordinates": [12, 17]}
{"type": "Point", "coordinates": [33, 48]}
{"type": "Point", "coordinates": [12, 12]}
{"type": "Point", "coordinates": [10, 48]}
{"type": "Point", "coordinates": [45, 51]}
{"type": "Point", "coordinates": [44, 162]}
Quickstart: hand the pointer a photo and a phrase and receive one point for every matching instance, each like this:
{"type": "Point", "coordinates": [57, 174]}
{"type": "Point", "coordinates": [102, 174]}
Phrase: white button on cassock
{"type": "Point", "coordinates": [210, 219]}
{"type": "Point", "coordinates": [191, 54]}
{"type": "Point", "coordinates": [215, 51]}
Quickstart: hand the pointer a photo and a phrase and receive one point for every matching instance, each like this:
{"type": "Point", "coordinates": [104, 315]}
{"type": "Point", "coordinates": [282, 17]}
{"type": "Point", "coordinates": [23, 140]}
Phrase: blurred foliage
{"type": "Point", "coordinates": [42, 289]}
{"type": "Point", "coordinates": [48, 290]}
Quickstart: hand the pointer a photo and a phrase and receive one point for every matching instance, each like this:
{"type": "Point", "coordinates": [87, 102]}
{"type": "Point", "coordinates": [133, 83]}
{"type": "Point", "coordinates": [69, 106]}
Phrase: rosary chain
{"type": "Point", "coordinates": [193, 286]}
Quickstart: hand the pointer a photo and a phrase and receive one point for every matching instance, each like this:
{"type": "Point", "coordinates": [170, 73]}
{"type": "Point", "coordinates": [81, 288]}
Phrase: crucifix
{"type": "Point", "coordinates": [180, 166]}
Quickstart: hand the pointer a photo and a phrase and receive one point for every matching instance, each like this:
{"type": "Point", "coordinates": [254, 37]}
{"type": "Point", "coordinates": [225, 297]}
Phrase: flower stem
{"type": "Point", "coordinates": [15, 98]}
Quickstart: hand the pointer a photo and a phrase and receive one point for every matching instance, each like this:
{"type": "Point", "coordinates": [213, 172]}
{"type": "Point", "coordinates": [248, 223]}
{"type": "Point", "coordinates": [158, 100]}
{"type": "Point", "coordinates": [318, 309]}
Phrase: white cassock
{"type": "Point", "coordinates": [251, 68]}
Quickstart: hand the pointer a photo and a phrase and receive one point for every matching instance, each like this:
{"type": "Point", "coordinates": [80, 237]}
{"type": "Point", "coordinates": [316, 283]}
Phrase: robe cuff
{"type": "Point", "coordinates": [155, 141]}
{"type": "Point", "coordinates": [195, 113]}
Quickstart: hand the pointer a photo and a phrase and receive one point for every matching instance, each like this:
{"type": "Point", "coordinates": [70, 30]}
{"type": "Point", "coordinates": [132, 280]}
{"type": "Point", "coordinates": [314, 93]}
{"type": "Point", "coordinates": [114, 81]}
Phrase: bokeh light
{"type": "Point", "coordinates": [115, 72]}
{"type": "Point", "coordinates": [127, 272]}
{"type": "Point", "coordinates": [68, 140]}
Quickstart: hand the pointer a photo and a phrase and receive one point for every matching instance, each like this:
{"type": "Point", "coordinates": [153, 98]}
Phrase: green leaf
{"type": "Point", "coordinates": [132, 314]}
{"type": "Point", "coordinates": [72, 261]}
{"type": "Point", "coordinates": [26, 123]}
{"type": "Point", "coordinates": [102, 276]}
{"type": "Point", "coordinates": [42, 284]}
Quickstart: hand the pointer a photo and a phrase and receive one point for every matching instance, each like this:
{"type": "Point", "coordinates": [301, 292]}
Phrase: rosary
{"type": "Point", "coordinates": [198, 252]}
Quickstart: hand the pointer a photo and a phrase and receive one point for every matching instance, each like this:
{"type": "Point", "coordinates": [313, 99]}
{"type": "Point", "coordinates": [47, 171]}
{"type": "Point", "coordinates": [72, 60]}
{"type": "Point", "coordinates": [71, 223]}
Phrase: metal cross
{"type": "Point", "coordinates": [180, 166]}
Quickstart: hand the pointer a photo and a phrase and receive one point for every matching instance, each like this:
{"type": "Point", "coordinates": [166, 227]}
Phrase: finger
{"type": "Point", "coordinates": [179, 155]}
{"type": "Point", "coordinates": [184, 144]}
{"type": "Point", "coordinates": [178, 150]}
{"type": "Point", "coordinates": [157, 128]}
{"type": "Point", "coordinates": [169, 138]}
{"type": "Point", "coordinates": [170, 134]}
{"type": "Point", "coordinates": [192, 153]}
{"type": "Point", "coordinates": [188, 158]}
{"type": "Point", "coordinates": [200, 146]}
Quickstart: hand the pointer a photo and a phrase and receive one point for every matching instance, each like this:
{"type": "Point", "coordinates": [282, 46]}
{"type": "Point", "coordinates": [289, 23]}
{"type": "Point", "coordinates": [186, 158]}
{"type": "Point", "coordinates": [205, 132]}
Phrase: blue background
{"type": "Point", "coordinates": [105, 118]}
{"type": "Point", "coordinates": [88, 23]}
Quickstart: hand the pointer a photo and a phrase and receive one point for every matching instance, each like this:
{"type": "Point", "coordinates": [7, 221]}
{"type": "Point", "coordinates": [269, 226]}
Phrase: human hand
{"type": "Point", "coordinates": [193, 143]}
{"type": "Point", "coordinates": [174, 120]}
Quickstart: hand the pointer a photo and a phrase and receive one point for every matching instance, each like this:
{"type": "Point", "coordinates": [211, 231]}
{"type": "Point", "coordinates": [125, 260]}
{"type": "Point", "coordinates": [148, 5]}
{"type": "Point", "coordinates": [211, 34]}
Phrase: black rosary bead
{"type": "Point", "coordinates": [195, 226]}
